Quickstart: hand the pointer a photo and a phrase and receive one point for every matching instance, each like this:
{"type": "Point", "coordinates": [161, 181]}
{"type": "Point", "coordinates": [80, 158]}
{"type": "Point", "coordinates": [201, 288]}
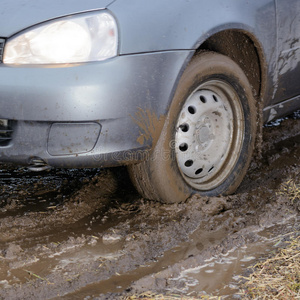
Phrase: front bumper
{"type": "Point", "coordinates": [88, 115]}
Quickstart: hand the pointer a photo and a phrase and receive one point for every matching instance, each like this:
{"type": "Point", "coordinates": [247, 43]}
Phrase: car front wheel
{"type": "Point", "coordinates": [207, 141]}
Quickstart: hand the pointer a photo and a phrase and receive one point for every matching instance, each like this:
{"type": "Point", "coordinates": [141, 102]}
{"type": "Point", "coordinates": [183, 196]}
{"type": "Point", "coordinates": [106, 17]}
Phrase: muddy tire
{"type": "Point", "coordinates": [207, 141]}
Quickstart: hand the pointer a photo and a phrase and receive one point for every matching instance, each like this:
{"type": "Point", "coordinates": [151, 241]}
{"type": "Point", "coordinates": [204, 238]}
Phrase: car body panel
{"type": "Point", "coordinates": [288, 50]}
{"type": "Point", "coordinates": [184, 24]}
{"type": "Point", "coordinates": [191, 26]}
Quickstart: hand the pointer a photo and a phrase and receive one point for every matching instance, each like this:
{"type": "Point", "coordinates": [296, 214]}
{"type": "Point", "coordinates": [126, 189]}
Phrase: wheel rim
{"type": "Point", "coordinates": [209, 134]}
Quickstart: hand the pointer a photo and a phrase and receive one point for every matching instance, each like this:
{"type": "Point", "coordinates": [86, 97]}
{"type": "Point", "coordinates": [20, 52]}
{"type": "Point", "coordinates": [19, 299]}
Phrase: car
{"type": "Point", "coordinates": [177, 90]}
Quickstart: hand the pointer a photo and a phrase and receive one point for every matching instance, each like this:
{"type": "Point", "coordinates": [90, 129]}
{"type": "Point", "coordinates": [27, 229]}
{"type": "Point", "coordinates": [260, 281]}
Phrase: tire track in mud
{"type": "Point", "coordinates": [101, 238]}
{"type": "Point", "coordinates": [82, 203]}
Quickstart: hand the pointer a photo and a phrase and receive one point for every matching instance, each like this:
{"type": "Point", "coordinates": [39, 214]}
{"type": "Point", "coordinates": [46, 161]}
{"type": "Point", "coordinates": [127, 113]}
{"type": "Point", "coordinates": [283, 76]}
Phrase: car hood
{"type": "Point", "coordinates": [16, 15]}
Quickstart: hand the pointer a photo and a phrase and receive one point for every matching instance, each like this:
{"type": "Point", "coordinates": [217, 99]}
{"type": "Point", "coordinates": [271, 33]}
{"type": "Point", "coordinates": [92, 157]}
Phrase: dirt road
{"type": "Point", "coordinates": [83, 234]}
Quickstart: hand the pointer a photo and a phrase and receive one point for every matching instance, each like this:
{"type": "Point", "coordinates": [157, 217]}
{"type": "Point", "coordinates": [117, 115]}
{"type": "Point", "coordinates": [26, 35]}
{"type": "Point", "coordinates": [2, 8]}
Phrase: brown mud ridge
{"type": "Point", "coordinates": [85, 234]}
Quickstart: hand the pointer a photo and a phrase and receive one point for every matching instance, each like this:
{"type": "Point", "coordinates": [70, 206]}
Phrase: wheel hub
{"type": "Point", "coordinates": [204, 133]}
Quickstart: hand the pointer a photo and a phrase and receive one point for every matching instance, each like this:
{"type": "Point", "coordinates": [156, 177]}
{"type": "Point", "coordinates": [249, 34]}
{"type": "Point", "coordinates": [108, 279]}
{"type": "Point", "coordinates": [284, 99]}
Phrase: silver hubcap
{"type": "Point", "coordinates": [209, 134]}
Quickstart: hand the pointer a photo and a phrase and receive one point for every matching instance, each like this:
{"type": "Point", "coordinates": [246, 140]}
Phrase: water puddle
{"type": "Point", "coordinates": [121, 282]}
{"type": "Point", "coordinates": [220, 276]}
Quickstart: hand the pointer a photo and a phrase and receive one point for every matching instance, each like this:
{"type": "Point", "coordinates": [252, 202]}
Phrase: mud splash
{"type": "Point", "coordinates": [150, 125]}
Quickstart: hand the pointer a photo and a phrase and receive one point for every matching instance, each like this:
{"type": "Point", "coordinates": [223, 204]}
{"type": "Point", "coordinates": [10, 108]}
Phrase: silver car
{"type": "Point", "coordinates": [175, 89]}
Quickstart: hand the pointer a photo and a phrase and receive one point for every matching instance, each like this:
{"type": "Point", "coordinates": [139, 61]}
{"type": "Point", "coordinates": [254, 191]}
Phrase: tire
{"type": "Point", "coordinates": [208, 138]}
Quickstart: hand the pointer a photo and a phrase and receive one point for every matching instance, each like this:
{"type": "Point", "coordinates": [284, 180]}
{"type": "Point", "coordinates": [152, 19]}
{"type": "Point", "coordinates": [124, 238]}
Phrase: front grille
{"type": "Point", "coordinates": [1, 49]}
{"type": "Point", "coordinates": [6, 131]}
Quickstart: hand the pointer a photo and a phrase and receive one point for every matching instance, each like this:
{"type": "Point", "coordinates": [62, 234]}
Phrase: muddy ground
{"type": "Point", "coordinates": [85, 234]}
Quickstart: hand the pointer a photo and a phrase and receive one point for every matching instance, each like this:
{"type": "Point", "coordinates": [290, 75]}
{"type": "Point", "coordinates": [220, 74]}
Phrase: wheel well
{"type": "Point", "coordinates": [241, 49]}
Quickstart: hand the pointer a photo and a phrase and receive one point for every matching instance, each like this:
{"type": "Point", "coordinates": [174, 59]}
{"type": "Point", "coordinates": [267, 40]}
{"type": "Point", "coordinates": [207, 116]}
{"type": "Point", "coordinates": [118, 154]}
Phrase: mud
{"type": "Point", "coordinates": [84, 234]}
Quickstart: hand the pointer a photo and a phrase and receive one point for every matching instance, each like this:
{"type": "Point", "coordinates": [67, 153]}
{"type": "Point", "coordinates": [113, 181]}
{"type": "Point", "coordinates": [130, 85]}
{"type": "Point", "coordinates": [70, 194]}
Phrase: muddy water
{"type": "Point", "coordinates": [122, 282]}
{"type": "Point", "coordinates": [75, 234]}
{"type": "Point", "coordinates": [219, 275]}
{"type": "Point", "coordinates": [222, 274]}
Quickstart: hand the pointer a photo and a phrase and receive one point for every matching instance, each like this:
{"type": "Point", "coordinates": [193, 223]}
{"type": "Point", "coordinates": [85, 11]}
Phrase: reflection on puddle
{"type": "Point", "coordinates": [86, 257]}
{"type": "Point", "coordinates": [220, 276]}
{"type": "Point", "coordinates": [217, 275]}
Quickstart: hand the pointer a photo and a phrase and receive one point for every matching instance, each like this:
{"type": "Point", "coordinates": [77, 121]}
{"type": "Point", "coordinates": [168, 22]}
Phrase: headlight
{"type": "Point", "coordinates": [78, 38]}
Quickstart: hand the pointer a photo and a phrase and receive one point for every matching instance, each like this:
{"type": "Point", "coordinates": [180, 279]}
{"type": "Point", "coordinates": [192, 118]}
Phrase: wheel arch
{"type": "Point", "coordinates": [245, 50]}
